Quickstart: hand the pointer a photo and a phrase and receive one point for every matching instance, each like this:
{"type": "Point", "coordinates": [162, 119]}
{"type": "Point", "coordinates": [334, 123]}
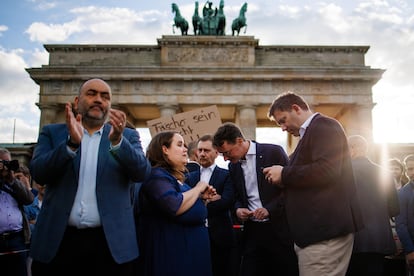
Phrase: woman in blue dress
{"type": "Point", "coordinates": [173, 236]}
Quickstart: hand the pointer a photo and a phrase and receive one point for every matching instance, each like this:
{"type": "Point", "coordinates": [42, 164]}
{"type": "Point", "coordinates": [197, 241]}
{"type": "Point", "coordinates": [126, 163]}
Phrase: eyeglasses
{"type": "Point", "coordinates": [228, 152]}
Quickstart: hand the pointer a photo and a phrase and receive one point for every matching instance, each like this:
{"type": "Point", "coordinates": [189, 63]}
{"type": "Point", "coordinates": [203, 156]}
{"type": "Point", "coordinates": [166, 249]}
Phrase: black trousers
{"type": "Point", "coordinates": [362, 264]}
{"type": "Point", "coordinates": [13, 254]}
{"type": "Point", "coordinates": [82, 252]}
{"type": "Point", "coordinates": [264, 254]}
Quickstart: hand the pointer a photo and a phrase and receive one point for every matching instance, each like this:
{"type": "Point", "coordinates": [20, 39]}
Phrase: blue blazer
{"type": "Point", "coordinates": [220, 224]}
{"type": "Point", "coordinates": [405, 220]}
{"type": "Point", "coordinates": [53, 166]}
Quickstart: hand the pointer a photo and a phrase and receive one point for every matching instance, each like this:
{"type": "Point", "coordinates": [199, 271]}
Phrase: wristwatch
{"type": "Point", "coordinates": [71, 144]}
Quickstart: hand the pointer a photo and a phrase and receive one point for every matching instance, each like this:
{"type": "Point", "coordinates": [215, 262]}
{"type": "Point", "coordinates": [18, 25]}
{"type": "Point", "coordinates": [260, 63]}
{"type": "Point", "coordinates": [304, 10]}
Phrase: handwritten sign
{"type": "Point", "coordinates": [191, 124]}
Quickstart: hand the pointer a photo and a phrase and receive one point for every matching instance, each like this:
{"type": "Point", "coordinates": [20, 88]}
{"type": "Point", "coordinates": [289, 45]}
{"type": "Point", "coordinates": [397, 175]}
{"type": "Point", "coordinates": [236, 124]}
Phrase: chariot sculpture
{"type": "Point", "coordinates": [212, 21]}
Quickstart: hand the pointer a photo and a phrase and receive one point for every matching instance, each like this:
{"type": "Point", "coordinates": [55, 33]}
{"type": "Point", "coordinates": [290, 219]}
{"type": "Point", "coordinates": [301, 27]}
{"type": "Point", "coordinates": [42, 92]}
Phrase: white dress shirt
{"type": "Point", "coordinates": [205, 173]}
{"type": "Point", "coordinates": [250, 178]}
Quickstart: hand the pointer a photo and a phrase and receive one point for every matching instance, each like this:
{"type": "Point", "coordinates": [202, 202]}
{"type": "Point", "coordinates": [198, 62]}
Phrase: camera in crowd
{"type": "Point", "coordinates": [12, 165]}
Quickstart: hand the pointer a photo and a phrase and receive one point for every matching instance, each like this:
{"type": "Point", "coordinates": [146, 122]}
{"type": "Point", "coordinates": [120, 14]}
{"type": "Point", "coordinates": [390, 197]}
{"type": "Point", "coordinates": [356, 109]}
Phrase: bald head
{"type": "Point", "coordinates": [358, 146]}
{"type": "Point", "coordinates": [95, 82]}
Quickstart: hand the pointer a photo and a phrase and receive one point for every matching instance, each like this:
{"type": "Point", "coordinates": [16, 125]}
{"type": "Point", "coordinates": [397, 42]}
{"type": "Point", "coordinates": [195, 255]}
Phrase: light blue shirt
{"type": "Point", "coordinates": [85, 207]}
{"type": "Point", "coordinates": [11, 218]}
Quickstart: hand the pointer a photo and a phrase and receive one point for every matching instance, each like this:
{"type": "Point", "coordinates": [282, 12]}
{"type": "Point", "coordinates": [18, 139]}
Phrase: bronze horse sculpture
{"type": "Point", "coordinates": [196, 20]}
{"type": "Point", "coordinates": [179, 21]}
{"type": "Point", "coordinates": [240, 21]}
{"type": "Point", "coordinates": [221, 19]}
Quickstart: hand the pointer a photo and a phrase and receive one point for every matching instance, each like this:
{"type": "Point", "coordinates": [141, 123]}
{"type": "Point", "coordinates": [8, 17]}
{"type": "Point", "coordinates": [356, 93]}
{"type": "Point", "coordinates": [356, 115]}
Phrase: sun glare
{"type": "Point", "coordinates": [391, 115]}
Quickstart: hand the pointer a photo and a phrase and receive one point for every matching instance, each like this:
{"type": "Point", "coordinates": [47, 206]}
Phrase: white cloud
{"type": "Point", "coordinates": [46, 5]}
{"type": "Point", "coordinates": [17, 97]}
{"type": "Point", "coordinates": [43, 5]}
{"type": "Point", "coordinates": [107, 25]}
{"type": "Point", "coordinates": [290, 11]}
{"type": "Point", "coordinates": [46, 33]}
{"type": "Point", "coordinates": [3, 28]}
{"type": "Point", "coordinates": [38, 57]}
{"type": "Point", "coordinates": [333, 15]}
{"type": "Point", "coordinates": [17, 130]}
{"type": "Point", "coordinates": [381, 14]}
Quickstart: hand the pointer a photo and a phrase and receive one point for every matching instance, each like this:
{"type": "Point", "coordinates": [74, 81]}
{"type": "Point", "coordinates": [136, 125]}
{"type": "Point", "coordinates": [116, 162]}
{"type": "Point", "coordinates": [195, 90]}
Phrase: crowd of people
{"type": "Point", "coordinates": [93, 202]}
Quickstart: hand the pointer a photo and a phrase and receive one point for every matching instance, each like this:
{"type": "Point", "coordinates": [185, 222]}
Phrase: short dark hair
{"type": "Point", "coordinates": [24, 170]}
{"type": "Point", "coordinates": [227, 132]}
{"type": "Point", "coordinates": [284, 102]}
{"type": "Point", "coordinates": [206, 137]}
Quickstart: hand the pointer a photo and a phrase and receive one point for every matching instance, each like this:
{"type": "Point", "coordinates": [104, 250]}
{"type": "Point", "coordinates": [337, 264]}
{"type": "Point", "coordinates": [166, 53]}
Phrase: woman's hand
{"type": "Point", "coordinates": [208, 193]}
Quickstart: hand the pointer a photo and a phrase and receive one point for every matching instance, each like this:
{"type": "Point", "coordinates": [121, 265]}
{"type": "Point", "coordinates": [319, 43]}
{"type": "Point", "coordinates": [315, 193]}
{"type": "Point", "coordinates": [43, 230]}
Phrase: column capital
{"type": "Point", "coordinates": [246, 106]}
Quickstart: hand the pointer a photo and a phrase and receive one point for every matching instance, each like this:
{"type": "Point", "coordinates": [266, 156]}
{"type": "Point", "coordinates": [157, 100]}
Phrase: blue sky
{"type": "Point", "coordinates": [386, 26]}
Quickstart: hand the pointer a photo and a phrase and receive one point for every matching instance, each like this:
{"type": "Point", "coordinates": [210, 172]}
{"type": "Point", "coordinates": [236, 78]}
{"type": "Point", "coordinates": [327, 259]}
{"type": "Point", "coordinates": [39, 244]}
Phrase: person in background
{"type": "Point", "coordinates": [379, 202]}
{"type": "Point", "coordinates": [395, 263]}
{"type": "Point", "coordinates": [267, 245]}
{"type": "Point", "coordinates": [405, 220]}
{"type": "Point", "coordinates": [86, 223]}
{"type": "Point", "coordinates": [14, 226]}
{"type": "Point", "coordinates": [172, 233]}
{"type": "Point", "coordinates": [192, 151]}
{"type": "Point", "coordinates": [23, 174]}
{"type": "Point", "coordinates": [397, 169]}
{"type": "Point", "coordinates": [219, 220]}
{"type": "Point", "coordinates": [32, 211]}
{"type": "Point", "coordinates": [321, 204]}
{"type": "Point", "coordinates": [192, 164]}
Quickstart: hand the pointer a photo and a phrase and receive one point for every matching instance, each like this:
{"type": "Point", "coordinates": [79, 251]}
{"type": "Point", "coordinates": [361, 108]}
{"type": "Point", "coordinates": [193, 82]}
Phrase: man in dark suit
{"type": "Point", "coordinates": [379, 202]}
{"type": "Point", "coordinates": [321, 203]}
{"type": "Point", "coordinates": [219, 221]}
{"type": "Point", "coordinates": [267, 246]}
{"type": "Point", "coordinates": [86, 223]}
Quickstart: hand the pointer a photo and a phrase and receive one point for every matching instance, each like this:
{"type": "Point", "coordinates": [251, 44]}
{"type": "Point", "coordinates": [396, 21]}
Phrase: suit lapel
{"type": "Point", "coordinates": [214, 176]}
{"type": "Point", "coordinates": [103, 147]}
{"type": "Point", "coordinates": [259, 165]}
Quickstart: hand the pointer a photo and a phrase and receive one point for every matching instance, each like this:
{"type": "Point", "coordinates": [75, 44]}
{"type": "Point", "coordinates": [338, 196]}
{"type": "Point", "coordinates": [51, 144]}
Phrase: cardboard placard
{"type": "Point", "coordinates": [191, 124]}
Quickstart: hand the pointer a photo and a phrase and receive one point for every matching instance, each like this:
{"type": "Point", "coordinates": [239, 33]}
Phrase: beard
{"type": "Point", "coordinates": [90, 118]}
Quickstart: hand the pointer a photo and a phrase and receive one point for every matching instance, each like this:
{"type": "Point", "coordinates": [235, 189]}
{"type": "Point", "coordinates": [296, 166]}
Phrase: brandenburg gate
{"type": "Point", "coordinates": [235, 73]}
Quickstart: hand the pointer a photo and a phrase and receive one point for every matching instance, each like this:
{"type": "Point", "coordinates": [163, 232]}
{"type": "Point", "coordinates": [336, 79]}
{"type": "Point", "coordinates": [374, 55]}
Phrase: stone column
{"type": "Point", "coordinates": [50, 113]}
{"type": "Point", "coordinates": [167, 110]}
{"type": "Point", "coordinates": [360, 122]}
{"type": "Point", "coordinates": [246, 120]}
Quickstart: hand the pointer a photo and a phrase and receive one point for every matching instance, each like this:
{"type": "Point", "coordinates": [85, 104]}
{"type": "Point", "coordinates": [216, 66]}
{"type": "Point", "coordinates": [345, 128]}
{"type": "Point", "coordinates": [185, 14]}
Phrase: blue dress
{"type": "Point", "coordinates": [170, 244]}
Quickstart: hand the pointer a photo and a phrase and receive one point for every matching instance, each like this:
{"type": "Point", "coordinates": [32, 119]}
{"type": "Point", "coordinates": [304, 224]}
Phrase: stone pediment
{"type": "Point", "coordinates": [217, 52]}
